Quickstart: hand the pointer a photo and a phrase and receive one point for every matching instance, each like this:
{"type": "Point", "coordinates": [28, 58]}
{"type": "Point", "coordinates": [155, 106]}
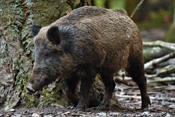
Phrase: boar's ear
{"type": "Point", "coordinates": [35, 30]}
{"type": "Point", "coordinates": [53, 35]}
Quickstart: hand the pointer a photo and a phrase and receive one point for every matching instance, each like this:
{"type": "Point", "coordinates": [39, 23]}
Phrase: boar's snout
{"type": "Point", "coordinates": [30, 88]}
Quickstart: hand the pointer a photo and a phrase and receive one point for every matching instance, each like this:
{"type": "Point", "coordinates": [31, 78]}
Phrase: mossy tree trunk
{"type": "Point", "coordinates": [16, 45]}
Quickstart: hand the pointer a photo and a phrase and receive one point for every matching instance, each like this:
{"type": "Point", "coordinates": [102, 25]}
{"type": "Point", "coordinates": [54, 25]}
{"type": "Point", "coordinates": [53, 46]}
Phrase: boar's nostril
{"type": "Point", "coordinates": [30, 88]}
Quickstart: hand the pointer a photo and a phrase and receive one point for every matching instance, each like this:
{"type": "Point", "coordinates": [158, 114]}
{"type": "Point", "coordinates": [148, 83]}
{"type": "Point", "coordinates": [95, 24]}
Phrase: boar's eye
{"type": "Point", "coordinates": [53, 35]}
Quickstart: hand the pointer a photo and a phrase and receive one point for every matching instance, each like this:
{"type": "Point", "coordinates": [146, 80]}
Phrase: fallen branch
{"type": "Point", "coordinates": [150, 76]}
{"type": "Point", "coordinates": [159, 80]}
{"type": "Point", "coordinates": [158, 60]}
{"type": "Point", "coordinates": [166, 70]}
{"type": "Point", "coordinates": [161, 44]}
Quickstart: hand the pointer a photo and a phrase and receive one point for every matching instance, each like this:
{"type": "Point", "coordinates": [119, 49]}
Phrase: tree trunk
{"type": "Point", "coordinates": [107, 4]}
{"type": "Point", "coordinates": [16, 48]}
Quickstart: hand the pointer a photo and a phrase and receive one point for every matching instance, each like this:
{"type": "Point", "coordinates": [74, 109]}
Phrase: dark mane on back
{"type": "Point", "coordinates": [121, 11]}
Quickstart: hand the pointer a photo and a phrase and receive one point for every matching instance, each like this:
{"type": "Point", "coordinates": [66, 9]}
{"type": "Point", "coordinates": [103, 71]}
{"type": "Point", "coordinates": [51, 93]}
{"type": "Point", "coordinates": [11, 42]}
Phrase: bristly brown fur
{"type": "Point", "coordinates": [89, 41]}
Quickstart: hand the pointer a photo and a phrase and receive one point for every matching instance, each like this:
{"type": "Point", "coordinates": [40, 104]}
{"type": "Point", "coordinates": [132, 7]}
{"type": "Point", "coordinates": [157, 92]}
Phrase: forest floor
{"type": "Point", "coordinates": [162, 105]}
{"type": "Point", "coordinates": [162, 97]}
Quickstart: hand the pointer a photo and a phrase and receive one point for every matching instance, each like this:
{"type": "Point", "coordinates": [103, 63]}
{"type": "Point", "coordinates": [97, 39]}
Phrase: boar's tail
{"type": "Point", "coordinates": [121, 11]}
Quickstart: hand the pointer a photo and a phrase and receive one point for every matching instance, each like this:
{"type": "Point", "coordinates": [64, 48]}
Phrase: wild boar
{"type": "Point", "coordinates": [86, 42]}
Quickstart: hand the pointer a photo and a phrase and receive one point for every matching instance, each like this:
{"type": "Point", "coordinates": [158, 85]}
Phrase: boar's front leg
{"type": "Point", "coordinates": [70, 86]}
{"type": "Point", "coordinates": [87, 79]}
{"type": "Point", "coordinates": [109, 88]}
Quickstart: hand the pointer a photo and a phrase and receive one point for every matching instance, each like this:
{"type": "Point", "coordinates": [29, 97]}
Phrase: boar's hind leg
{"type": "Point", "coordinates": [136, 71]}
{"type": "Point", "coordinates": [109, 88]}
{"type": "Point", "coordinates": [87, 79]}
{"type": "Point", "coordinates": [70, 87]}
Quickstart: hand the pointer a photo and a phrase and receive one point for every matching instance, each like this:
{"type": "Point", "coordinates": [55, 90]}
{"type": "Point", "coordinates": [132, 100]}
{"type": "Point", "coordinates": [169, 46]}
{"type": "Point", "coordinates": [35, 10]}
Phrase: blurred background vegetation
{"type": "Point", "coordinates": [152, 14]}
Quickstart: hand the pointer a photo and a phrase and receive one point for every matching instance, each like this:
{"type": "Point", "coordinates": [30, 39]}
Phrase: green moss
{"type": "Point", "coordinates": [98, 82]}
{"type": "Point", "coordinates": [46, 12]}
{"type": "Point", "coordinates": [54, 96]}
{"type": "Point", "coordinates": [31, 102]}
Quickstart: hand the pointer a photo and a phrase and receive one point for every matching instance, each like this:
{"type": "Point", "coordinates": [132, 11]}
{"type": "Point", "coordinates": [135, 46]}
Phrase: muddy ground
{"type": "Point", "coordinates": [162, 105]}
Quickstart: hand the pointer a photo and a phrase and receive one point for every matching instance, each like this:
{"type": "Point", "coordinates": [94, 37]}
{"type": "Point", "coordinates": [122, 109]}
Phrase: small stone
{"type": "Point", "coordinates": [11, 110]}
{"type": "Point", "coordinates": [102, 114]}
{"type": "Point", "coordinates": [162, 114]}
{"type": "Point", "coordinates": [75, 114]}
{"type": "Point", "coordinates": [128, 115]}
{"type": "Point", "coordinates": [59, 113]}
{"type": "Point", "coordinates": [168, 115]}
{"type": "Point", "coordinates": [83, 115]}
{"type": "Point", "coordinates": [36, 115]}
{"type": "Point", "coordinates": [8, 115]}
{"type": "Point", "coordinates": [145, 114]}
{"type": "Point", "coordinates": [16, 115]}
{"type": "Point", "coordinates": [66, 113]}
{"type": "Point", "coordinates": [63, 115]}
{"type": "Point", "coordinates": [172, 106]}
{"type": "Point", "coordinates": [1, 115]}
{"type": "Point", "coordinates": [114, 114]}
{"type": "Point", "coordinates": [48, 115]}
{"type": "Point", "coordinates": [70, 107]}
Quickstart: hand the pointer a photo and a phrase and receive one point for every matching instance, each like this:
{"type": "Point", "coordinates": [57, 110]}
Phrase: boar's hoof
{"type": "Point", "coordinates": [30, 88]}
{"type": "Point", "coordinates": [80, 107]}
{"type": "Point", "coordinates": [100, 107]}
{"type": "Point", "coordinates": [146, 103]}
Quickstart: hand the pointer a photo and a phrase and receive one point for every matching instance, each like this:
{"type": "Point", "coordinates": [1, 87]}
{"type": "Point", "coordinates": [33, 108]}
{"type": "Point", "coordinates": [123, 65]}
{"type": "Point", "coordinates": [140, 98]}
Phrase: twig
{"type": "Point", "coordinates": [158, 60]}
{"type": "Point", "coordinates": [174, 15]}
{"type": "Point", "coordinates": [137, 8]}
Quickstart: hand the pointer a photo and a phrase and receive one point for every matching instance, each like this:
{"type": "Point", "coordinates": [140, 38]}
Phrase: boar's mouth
{"type": "Point", "coordinates": [37, 84]}
{"type": "Point", "coordinates": [30, 88]}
